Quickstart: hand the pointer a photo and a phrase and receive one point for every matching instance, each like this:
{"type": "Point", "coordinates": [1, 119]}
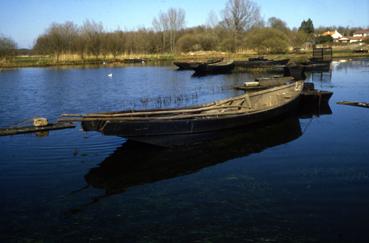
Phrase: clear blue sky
{"type": "Point", "coordinates": [24, 20]}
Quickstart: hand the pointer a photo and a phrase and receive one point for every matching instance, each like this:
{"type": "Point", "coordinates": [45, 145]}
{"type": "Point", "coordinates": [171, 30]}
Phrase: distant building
{"type": "Point", "coordinates": [357, 37]}
{"type": "Point", "coordinates": [361, 33]}
{"type": "Point", "coordinates": [334, 34]}
{"type": "Point", "coordinates": [345, 39]}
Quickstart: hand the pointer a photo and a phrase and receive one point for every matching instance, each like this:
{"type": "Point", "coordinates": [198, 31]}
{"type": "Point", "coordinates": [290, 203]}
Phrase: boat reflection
{"type": "Point", "coordinates": [135, 163]}
{"type": "Point", "coordinates": [321, 76]}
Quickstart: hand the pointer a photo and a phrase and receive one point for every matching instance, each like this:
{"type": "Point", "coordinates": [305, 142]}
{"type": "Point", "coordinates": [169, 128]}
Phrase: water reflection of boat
{"type": "Point", "coordinates": [136, 163]}
{"type": "Point", "coordinates": [172, 127]}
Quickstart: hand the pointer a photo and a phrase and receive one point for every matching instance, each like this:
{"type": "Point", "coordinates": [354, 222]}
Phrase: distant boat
{"type": "Point", "coordinates": [170, 127]}
{"type": "Point", "coordinates": [214, 68]}
{"type": "Point", "coordinates": [188, 65]}
{"type": "Point", "coordinates": [259, 62]}
{"type": "Point", "coordinates": [296, 69]}
{"type": "Point", "coordinates": [110, 75]}
{"type": "Point", "coordinates": [134, 60]}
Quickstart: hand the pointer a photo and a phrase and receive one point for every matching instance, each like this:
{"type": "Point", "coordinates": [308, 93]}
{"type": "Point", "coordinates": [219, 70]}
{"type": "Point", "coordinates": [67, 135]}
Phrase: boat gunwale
{"type": "Point", "coordinates": [130, 116]}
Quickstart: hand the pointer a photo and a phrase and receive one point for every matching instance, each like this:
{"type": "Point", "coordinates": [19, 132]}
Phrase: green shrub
{"type": "Point", "coordinates": [267, 40]}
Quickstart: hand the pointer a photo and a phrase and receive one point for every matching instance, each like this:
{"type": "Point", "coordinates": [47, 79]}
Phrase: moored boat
{"type": "Point", "coordinates": [188, 65]}
{"type": "Point", "coordinates": [214, 68]}
{"type": "Point", "coordinates": [310, 95]}
{"type": "Point", "coordinates": [172, 126]}
{"type": "Point", "coordinates": [259, 63]}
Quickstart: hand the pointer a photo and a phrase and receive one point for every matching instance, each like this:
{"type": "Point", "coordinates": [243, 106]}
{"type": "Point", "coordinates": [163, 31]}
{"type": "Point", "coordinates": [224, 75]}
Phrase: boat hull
{"type": "Point", "coordinates": [181, 132]}
{"type": "Point", "coordinates": [216, 68]}
{"type": "Point", "coordinates": [174, 126]}
{"type": "Point", "coordinates": [186, 65]}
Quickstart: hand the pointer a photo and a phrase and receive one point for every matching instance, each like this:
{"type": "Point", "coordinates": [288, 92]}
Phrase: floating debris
{"type": "Point", "coordinates": [354, 103]}
{"type": "Point", "coordinates": [32, 129]}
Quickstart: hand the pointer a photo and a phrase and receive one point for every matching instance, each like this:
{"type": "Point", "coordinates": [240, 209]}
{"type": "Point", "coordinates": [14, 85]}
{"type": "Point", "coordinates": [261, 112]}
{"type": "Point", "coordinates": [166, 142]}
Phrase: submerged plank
{"type": "Point", "coordinates": [31, 129]}
{"type": "Point", "coordinates": [354, 103]}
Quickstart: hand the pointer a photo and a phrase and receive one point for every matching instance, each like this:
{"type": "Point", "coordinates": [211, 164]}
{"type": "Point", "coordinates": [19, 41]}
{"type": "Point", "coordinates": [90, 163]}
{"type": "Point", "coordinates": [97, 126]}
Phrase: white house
{"type": "Point", "coordinates": [361, 33]}
{"type": "Point", "coordinates": [334, 34]}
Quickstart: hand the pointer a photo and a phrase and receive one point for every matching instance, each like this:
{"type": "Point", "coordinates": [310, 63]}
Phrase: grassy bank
{"type": "Point", "coordinates": [65, 60]}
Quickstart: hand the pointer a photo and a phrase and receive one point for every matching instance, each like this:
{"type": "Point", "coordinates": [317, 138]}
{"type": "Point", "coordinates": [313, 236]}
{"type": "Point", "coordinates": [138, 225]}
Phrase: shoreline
{"type": "Point", "coordinates": [47, 61]}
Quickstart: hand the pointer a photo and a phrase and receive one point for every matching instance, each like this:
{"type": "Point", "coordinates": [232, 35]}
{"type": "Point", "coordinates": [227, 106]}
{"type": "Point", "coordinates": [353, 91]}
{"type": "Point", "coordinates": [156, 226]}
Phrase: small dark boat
{"type": "Point", "coordinates": [265, 83]}
{"type": "Point", "coordinates": [214, 68]}
{"type": "Point", "coordinates": [189, 65]}
{"type": "Point", "coordinates": [134, 60]}
{"type": "Point", "coordinates": [360, 51]}
{"type": "Point", "coordinates": [310, 95]}
{"type": "Point", "coordinates": [296, 69]}
{"type": "Point", "coordinates": [260, 63]}
{"type": "Point", "coordinates": [170, 127]}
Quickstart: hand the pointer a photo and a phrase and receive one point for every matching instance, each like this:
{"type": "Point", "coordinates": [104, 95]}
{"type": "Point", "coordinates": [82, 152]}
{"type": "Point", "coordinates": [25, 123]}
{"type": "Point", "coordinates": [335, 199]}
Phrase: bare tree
{"type": "Point", "coordinates": [58, 39]}
{"type": "Point", "coordinates": [92, 32]}
{"type": "Point", "coordinates": [161, 24]}
{"type": "Point", "coordinates": [176, 19]}
{"type": "Point", "coordinates": [170, 23]}
{"type": "Point", "coordinates": [212, 20]}
{"type": "Point", "coordinates": [278, 24]}
{"type": "Point", "coordinates": [240, 16]}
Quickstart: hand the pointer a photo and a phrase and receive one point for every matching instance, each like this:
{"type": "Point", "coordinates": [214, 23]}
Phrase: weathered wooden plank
{"type": "Point", "coordinates": [31, 129]}
{"type": "Point", "coordinates": [354, 103]}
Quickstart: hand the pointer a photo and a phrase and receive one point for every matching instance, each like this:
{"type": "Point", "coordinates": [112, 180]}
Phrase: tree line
{"type": "Point", "coordinates": [239, 28]}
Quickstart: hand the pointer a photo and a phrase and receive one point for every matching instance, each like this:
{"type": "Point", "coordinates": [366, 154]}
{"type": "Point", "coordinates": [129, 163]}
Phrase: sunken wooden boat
{"type": "Point", "coordinates": [265, 83]}
{"type": "Point", "coordinates": [214, 68]}
{"type": "Point", "coordinates": [259, 63]}
{"type": "Point", "coordinates": [168, 126]}
{"type": "Point", "coordinates": [190, 65]}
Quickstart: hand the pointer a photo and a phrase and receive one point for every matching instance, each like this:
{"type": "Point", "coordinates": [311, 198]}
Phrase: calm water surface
{"type": "Point", "coordinates": [296, 180]}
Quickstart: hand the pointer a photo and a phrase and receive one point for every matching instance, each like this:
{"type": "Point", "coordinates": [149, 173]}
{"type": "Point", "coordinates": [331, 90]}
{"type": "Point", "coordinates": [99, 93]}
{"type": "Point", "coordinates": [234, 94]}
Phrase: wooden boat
{"type": "Point", "coordinates": [134, 60]}
{"type": "Point", "coordinates": [170, 126]}
{"type": "Point", "coordinates": [259, 63]}
{"type": "Point", "coordinates": [265, 83]}
{"type": "Point", "coordinates": [297, 69]}
{"type": "Point", "coordinates": [189, 65]}
{"type": "Point", "coordinates": [214, 68]}
{"type": "Point", "coordinates": [360, 51]}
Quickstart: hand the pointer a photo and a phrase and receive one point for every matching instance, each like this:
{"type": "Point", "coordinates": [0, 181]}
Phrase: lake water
{"type": "Point", "coordinates": [296, 180]}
